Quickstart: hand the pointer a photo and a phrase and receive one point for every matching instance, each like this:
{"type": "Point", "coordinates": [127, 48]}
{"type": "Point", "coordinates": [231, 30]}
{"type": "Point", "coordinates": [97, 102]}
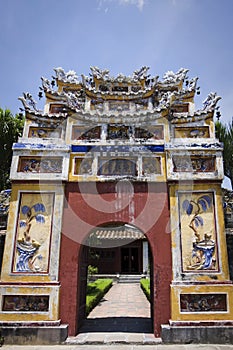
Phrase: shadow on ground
{"type": "Point", "coordinates": [117, 324]}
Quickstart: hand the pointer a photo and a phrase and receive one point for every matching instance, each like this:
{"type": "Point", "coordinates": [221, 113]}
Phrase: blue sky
{"type": "Point", "coordinates": [120, 35]}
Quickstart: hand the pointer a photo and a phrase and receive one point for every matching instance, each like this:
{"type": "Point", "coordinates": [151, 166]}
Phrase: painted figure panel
{"type": "Point", "coordinates": [85, 133]}
{"type": "Point", "coordinates": [151, 165]}
{"type": "Point", "coordinates": [44, 132]}
{"type": "Point", "coordinates": [83, 166]}
{"type": "Point", "coordinates": [117, 166]}
{"type": "Point", "coordinates": [195, 164]}
{"type": "Point", "coordinates": [118, 132]}
{"type": "Point", "coordinates": [19, 303]}
{"type": "Point", "coordinates": [33, 234]}
{"type": "Point", "coordinates": [40, 165]}
{"type": "Point", "coordinates": [198, 232]}
{"type": "Point", "coordinates": [151, 132]}
{"type": "Point", "coordinates": [183, 132]}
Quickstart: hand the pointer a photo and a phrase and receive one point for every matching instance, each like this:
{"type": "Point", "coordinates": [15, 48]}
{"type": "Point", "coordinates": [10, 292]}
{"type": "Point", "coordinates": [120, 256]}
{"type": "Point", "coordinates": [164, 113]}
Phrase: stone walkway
{"type": "Point", "coordinates": [122, 316]}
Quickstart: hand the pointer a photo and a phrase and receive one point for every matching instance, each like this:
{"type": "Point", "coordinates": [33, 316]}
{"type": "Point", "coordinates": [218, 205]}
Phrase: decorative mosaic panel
{"type": "Point", "coordinates": [56, 108]}
{"type": "Point", "coordinates": [203, 302]}
{"type": "Point", "coordinates": [151, 165]}
{"type": "Point", "coordinates": [154, 132]}
{"type": "Point", "coordinates": [195, 164]}
{"type": "Point", "coordinates": [182, 132]}
{"type": "Point", "coordinates": [85, 133]}
{"type": "Point", "coordinates": [198, 232]}
{"type": "Point", "coordinates": [19, 303]}
{"type": "Point", "coordinates": [118, 132]}
{"type": "Point", "coordinates": [118, 166]}
{"type": "Point", "coordinates": [40, 164]}
{"type": "Point", "coordinates": [44, 132]}
{"type": "Point", "coordinates": [180, 108]}
{"type": "Point", "coordinates": [83, 166]}
{"type": "Point", "coordinates": [33, 233]}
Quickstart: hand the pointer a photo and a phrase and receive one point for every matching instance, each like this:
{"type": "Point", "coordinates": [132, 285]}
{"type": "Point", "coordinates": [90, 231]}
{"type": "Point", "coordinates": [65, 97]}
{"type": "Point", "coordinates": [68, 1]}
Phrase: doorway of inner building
{"type": "Point", "coordinates": [117, 250]}
{"type": "Point", "coordinates": [130, 260]}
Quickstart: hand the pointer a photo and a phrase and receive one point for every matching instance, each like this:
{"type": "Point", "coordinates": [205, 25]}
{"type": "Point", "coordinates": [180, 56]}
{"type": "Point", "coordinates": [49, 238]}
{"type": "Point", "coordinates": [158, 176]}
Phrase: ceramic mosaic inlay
{"type": "Point", "coordinates": [44, 132]}
{"type": "Point", "coordinates": [19, 303]}
{"type": "Point", "coordinates": [197, 132]}
{"type": "Point", "coordinates": [118, 166]}
{"type": "Point", "coordinates": [193, 164]}
{"type": "Point", "coordinates": [40, 164]}
{"type": "Point", "coordinates": [203, 302]}
{"type": "Point", "coordinates": [33, 233]}
{"type": "Point", "coordinates": [198, 233]}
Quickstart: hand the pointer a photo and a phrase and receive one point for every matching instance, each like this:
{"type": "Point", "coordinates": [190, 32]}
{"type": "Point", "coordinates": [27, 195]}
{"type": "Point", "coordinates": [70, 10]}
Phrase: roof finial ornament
{"type": "Point", "coordinates": [69, 77]}
{"type": "Point", "coordinates": [28, 101]}
{"type": "Point", "coordinates": [141, 73]}
{"type": "Point", "coordinates": [171, 77]}
{"type": "Point", "coordinates": [211, 101]}
{"type": "Point", "coordinates": [46, 84]}
{"type": "Point", "coordinates": [100, 73]}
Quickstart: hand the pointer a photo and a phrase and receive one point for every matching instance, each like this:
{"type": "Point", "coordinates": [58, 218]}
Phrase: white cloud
{"type": "Point", "coordinates": [138, 3]}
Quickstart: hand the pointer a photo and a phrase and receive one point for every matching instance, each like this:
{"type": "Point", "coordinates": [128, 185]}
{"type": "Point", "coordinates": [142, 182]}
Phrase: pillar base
{"type": "Point", "coordinates": [26, 334]}
{"type": "Point", "coordinates": [197, 333]}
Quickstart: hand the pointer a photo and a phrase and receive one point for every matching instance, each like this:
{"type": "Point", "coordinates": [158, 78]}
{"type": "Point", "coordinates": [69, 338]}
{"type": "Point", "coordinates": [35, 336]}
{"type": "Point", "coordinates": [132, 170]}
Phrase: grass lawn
{"type": "Point", "coordinates": [145, 285]}
{"type": "Point", "coordinates": [96, 291]}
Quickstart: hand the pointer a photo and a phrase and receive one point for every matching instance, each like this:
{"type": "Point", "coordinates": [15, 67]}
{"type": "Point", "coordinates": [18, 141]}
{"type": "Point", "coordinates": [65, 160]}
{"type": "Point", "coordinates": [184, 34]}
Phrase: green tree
{"type": "Point", "coordinates": [224, 132]}
{"type": "Point", "coordinates": [10, 129]}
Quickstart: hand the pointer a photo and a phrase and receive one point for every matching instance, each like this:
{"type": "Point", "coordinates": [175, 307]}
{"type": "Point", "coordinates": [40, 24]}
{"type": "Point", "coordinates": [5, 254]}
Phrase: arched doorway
{"type": "Point", "coordinates": [119, 251]}
{"type": "Point", "coordinates": [81, 216]}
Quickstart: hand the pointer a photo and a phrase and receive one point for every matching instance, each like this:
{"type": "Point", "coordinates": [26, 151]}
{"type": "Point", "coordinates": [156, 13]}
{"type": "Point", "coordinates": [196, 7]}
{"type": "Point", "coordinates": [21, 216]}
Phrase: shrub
{"type": "Point", "coordinates": [95, 292]}
{"type": "Point", "coordinates": [145, 285]}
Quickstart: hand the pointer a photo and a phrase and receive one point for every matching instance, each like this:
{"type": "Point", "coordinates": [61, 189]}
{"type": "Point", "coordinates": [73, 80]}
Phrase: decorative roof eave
{"type": "Point", "coordinates": [182, 118]}
{"type": "Point", "coordinates": [170, 86]}
{"type": "Point", "coordinates": [124, 117]}
{"type": "Point", "coordinates": [55, 95]}
{"type": "Point", "coordinates": [39, 117]}
{"type": "Point", "coordinates": [185, 95]}
{"type": "Point", "coordinates": [92, 92]}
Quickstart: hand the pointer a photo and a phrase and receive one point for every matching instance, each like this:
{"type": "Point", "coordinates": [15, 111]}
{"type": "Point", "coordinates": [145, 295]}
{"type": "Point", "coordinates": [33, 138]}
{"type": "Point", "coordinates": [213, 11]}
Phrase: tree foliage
{"type": "Point", "coordinates": [10, 129]}
{"type": "Point", "coordinates": [224, 132]}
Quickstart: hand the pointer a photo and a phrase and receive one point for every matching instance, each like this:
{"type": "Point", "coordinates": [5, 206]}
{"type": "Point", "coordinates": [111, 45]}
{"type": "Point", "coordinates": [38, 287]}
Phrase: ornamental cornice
{"type": "Point", "coordinates": [210, 145]}
{"type": "Point", "coordinates": [45, 146]}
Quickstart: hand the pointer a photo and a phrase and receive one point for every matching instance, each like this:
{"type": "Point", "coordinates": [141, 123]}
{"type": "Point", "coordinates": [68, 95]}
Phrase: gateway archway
{"type": "Point", "coordinates": [74, 255]}
{"type": "Point", "coordinates": [128, 149]}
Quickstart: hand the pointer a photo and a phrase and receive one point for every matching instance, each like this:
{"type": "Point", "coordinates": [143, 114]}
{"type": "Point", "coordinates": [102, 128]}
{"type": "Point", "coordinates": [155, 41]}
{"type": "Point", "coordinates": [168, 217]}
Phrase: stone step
{"type": "Point", "coordinates": [99, 338]}
{"type": "Point", "coordinates": [129, 278]}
